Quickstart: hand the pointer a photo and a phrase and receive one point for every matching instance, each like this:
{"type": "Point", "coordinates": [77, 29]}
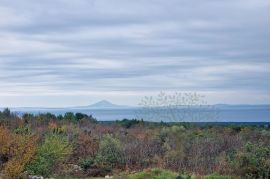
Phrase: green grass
{"type": "Point", "coordinates": [155, 174]}
{"type": "Point", "coordinates": [158, 174]}
{"type": "Point", "coordinates": [166, 174]}
{"type": "Point", "coordinates": [80, 178]}
{"type": "Point", "coordinates": [214, 176]}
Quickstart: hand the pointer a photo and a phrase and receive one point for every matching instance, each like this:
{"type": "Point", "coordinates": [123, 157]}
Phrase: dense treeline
{"type": "Point", "coordinates": [77, 145]}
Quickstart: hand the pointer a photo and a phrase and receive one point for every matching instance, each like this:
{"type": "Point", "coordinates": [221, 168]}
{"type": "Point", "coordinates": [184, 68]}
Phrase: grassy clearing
{"type": "Point", "coordinates": [166, 174]}
{"type": "Point", "coordinates": [153, 174]}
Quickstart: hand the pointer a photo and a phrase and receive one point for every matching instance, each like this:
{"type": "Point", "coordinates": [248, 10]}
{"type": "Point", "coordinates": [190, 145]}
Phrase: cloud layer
{"type": "Point", "coordinates": [86, 50]}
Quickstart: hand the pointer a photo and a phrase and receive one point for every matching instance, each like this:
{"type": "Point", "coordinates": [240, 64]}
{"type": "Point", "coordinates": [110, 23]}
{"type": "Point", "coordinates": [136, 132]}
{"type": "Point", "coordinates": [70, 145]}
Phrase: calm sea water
{"type": "Point", "coordinates": [222, 115]}
{"type": "Point", "coordinates": [239, 114]}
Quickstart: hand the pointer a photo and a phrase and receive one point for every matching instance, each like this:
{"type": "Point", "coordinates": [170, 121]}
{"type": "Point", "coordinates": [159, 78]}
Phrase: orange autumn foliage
{"type": "Point", "coordinates": [5, 140]}
{"type": "Point", "coordinates": [19, 149]}
{"type": "Point", "coordinates": [52, 125]}
{"type": "Point", "coordinates": [86, 145]}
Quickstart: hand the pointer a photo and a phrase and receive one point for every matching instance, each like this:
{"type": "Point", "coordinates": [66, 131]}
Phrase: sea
{"type": "Point", "coordinates": [240, 113]}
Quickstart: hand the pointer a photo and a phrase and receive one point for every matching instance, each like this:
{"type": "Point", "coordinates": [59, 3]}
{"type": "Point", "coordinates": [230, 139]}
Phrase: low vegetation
{"type": "Point", "coordinates": [77, 146]}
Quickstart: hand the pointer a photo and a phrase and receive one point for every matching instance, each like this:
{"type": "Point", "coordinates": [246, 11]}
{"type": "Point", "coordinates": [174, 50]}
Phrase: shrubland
{"type": "Point", "coordinates": [77, 146]}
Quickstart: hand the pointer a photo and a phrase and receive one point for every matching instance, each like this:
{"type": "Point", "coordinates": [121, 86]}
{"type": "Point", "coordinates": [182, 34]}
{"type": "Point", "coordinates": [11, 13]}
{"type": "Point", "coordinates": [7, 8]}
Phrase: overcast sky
{"type": "Point", "coordinates": [76, 52]}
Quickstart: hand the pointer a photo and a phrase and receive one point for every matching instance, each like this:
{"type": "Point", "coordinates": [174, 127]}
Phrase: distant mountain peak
{"type": "Point", "coordinates": [104, 104]}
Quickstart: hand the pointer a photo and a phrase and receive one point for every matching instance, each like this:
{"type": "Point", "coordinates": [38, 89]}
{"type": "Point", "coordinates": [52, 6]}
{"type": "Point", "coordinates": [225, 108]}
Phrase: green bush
{"type": "Point", "coordinates": [110, 152]}
{"type": "Point", "coordinates": [86, 163]}
{"type": "Point", "coordinates": [24, 130]}
{"type": "Point", "coordinates": [253, 161]}
{"type": "Point", "coordinates": [54, 150]}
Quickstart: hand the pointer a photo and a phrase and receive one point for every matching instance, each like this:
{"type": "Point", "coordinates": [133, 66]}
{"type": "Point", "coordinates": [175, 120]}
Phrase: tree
{"type": "Point", "coordinates": [69, 116]}
{"type": "Point", "coordinates": [253, 161]}
{"type": "Point", "coordinates": [80, 116]}
{"type": "Point", "coordinates": [129, 123]}
{"type": "Point", "coordinates": [53, 151]}
{"type": "Point", "coordinates": [28, 116]}
{"type": "Point", "coordinates": [18, 150]}
{"type": "Point", "coordinates": [110, 152]}
{"type": "Point", "coordinates": [60, 117]}
{"type": "Point", "coordinates": [86, 146]}
{"type": "Point", "coordinates": [84, 117]}
{"type": "Point", "coordinates": [6, 113]}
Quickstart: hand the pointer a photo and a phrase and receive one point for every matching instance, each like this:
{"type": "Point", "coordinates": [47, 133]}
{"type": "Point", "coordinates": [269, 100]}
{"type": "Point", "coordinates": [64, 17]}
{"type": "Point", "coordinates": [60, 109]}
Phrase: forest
{"type": "Point", "coordinates": [76, 145]}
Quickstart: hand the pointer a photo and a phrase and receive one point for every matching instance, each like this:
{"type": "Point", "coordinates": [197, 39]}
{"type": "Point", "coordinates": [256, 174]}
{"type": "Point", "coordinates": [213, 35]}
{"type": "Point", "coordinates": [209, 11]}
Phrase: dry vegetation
{"type": "Point", "coordinates": [76, 145]}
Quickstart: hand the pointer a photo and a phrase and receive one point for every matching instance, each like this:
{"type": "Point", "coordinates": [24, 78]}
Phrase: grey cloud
{"type": "Point", "coordinates": [119, 45]}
